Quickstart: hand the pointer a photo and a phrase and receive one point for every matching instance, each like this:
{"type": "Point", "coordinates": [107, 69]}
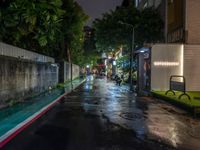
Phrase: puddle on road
{"type": "Point", "coordinates": [150, 119]}
{"type": "Point", "coordinates": [173, 126]}
{"type": "Point", "coordinates": [172, 109]}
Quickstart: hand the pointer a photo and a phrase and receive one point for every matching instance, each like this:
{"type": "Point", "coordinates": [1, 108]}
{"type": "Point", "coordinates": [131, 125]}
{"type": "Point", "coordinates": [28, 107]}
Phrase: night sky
{"type": "Point", "coordinates": [95, 8]}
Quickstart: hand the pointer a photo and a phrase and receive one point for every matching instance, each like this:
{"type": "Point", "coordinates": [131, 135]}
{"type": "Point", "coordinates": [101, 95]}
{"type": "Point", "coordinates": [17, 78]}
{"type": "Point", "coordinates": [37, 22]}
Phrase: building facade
{"type": "Point", "coordinates": [181, 48]}
{"type": "Point", "coordinates": [180, 17]}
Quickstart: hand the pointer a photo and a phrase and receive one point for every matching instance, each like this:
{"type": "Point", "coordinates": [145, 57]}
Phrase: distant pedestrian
{"type": "Point", "coordinates": [122, 77]}
{"type": "Point", "coordinates": [118, 81]}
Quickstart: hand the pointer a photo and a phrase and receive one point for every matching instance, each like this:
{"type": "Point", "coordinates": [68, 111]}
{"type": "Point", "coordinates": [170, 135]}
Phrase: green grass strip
{"type": "Point", "coordinates": [194, 102]}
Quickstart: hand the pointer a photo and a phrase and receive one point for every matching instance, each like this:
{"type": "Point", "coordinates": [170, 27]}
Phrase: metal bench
{"type": "Point", "coordinates": [177, 86]}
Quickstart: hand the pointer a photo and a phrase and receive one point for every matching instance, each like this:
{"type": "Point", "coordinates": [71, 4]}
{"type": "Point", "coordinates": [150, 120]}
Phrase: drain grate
{"type": "Point", "coordinates": [131, 116]}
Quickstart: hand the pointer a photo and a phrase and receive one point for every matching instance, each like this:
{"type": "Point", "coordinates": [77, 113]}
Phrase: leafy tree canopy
{"type": "Point", "coordinates": [90, 51]}
{"type": "Point", "coordinates": [30, 24]}
{"type": "Point", "coordinates": [51, 27]}
{"type": "Point", "coordinates": [111, 34]}
{"type": "Point", "coordinates": [72, 31]}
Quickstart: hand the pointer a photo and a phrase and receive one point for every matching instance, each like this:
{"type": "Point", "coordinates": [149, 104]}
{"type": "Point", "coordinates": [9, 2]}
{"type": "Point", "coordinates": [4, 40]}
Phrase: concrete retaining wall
{"type": "Point", "coordinates": [20, 79]}
{"type": "Point", "coordinates": [24, 73]}
{"type": "Point", "coordinates": [16, 52]}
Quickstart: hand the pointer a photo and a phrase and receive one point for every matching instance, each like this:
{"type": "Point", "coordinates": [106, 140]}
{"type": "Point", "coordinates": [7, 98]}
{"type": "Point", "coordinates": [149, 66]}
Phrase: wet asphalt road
{"type": "Point", "coordinates": [100, 115]}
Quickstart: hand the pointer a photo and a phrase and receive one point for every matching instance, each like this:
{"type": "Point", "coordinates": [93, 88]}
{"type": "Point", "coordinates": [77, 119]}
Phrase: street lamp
{"type": "Point", "coordinates": [131, 52]}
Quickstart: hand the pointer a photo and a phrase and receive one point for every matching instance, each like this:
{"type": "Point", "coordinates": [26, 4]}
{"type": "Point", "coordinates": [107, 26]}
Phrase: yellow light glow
{"type": "Point", "coordinates": [166, 63]}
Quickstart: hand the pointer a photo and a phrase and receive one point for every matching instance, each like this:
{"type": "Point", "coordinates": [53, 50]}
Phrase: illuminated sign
{"type": "Point", "coordinates": [166, 63]}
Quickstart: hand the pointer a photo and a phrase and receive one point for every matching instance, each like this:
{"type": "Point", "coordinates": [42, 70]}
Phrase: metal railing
{"type": "Point", "coordinates": [178, 86]}
{"type": "Point", "coordinates": [12, 51]}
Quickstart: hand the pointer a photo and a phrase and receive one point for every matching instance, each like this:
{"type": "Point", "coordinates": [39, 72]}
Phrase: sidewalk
{"type": "Point", "coordinates": [14, 119]}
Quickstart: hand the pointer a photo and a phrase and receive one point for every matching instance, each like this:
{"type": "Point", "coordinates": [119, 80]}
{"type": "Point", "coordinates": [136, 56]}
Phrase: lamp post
{"type": "Point", "coordinates": [131, 52]}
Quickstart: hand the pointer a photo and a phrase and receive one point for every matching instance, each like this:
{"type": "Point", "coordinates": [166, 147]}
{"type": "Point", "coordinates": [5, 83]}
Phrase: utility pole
{"type": "Point", "coordinates": [71, 75]}
{"type": "Point", "coordinates": [131, 58]}
{"type": "Point", "coordinates": [131, 53]}
{"type": "Point", "coordinates": [71, 69]}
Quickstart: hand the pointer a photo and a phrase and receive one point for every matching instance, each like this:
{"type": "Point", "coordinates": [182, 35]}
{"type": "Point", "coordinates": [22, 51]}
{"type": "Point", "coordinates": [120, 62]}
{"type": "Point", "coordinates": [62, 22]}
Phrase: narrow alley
{"type": "Point", "coordinates": [101, 115]}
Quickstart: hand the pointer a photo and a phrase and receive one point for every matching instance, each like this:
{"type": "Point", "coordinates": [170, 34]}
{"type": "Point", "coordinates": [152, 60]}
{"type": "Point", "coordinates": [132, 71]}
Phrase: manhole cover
{"type": "Point", "coordinates": [131, 116]}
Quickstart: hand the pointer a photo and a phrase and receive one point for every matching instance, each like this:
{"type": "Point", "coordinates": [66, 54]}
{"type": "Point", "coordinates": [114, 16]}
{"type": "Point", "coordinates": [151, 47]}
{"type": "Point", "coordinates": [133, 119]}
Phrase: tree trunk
{"type": "Point", "coordinates": [68, 55]}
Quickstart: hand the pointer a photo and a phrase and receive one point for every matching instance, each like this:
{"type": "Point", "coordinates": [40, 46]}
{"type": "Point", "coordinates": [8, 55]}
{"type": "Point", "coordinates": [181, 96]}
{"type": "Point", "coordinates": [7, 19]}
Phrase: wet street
{"type": "Point", "coordinates": [100, 115]}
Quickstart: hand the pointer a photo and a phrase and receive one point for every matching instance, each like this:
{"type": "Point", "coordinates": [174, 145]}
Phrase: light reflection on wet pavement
{"type": "Point", "coordinates": [101, 115]}
{"type": "Point", "coordinates": [150, 118]}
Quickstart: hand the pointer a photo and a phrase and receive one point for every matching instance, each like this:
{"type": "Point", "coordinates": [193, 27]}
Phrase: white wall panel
{"type": "Point", "coordinates": [166, 60]}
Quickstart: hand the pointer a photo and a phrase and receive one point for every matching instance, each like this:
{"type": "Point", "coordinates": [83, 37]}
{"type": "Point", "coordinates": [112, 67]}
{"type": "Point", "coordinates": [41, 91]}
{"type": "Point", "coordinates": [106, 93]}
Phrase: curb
{"type": "Point", "coordinates": [23, 125]}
